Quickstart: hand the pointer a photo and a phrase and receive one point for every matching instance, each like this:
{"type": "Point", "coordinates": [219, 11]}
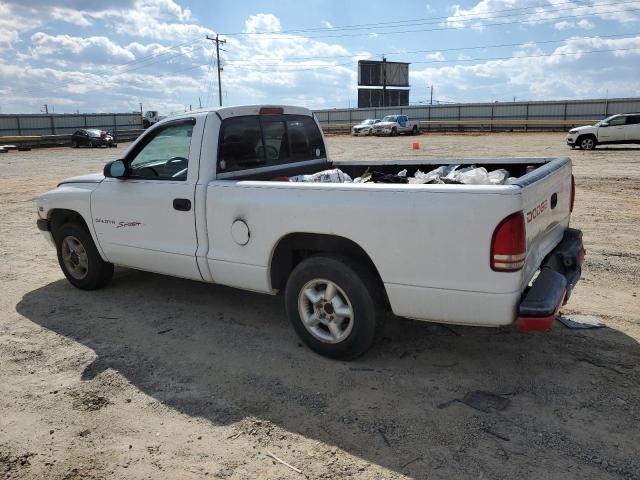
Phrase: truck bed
{"type": "Point", "coordinates": [430, 243]}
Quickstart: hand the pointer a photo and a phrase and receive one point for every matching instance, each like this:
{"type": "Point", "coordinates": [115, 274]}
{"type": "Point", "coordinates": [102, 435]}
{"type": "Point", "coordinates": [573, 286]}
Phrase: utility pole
{"type": "Point", "coordinates": [431, 101]}
{"type": "Point", "coordinates": [199, 103]}
{"type": "Point", "coordinates": [218, 42]}
{"type": "Point", "coordinates": [384, 81]}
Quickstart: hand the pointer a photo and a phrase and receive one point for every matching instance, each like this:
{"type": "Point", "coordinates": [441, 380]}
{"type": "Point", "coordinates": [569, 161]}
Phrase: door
{"type": "Point", "coordinates": [632, 128]}
{"type": "Point", "coordinates": [147, 220]}
{"type": "Point", "coordinates": [615, 132]}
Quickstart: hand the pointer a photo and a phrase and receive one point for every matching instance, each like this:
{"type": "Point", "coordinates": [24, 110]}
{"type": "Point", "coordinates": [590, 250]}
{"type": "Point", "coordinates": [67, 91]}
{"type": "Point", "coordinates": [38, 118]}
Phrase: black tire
{"type": "Point", "coordinates": [74, 143]}
{"type": "Point", "coordinates": [588, 142]}
{"type": "Point", "coordinates": [394, 132]}
{"type": "Point", "coordinates": [414, 130]}
{"type": "Point", "coordinates": [98, 272]}
{"type": "Point", "coordinates": [363, 291]}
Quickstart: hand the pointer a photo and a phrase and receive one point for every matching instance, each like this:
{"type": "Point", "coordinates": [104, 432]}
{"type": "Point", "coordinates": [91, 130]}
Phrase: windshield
{"type": "Point", "coordinates": [368, 121]}
{"type": "Point", "coordinates": [390, 118]}
{"type": "Point", "coordinates": [606, 120]}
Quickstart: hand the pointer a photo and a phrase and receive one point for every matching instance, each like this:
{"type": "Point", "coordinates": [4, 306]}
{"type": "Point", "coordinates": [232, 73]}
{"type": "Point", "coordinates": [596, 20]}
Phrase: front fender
{"type": "Point", "coordinates": [75, 197]}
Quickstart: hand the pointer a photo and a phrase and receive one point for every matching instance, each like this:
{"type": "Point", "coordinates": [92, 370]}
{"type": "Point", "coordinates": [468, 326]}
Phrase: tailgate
{"type": "Point", "coordinates": [546, 198]}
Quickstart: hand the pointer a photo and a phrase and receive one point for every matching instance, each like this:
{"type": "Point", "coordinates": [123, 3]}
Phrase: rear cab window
{"type": "Point", "coordinates": [258, 141]}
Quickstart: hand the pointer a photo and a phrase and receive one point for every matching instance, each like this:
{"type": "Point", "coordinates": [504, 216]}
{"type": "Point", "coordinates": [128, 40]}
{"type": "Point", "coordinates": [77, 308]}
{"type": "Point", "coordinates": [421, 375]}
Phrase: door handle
{"type": "Point", "coordinates": [182, 204]}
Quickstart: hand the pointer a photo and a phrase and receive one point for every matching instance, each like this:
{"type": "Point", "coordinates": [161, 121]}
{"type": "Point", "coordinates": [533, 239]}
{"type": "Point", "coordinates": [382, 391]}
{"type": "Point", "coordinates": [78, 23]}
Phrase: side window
{"type": "Point", "coordinates": [305, 138]}
{"type": "Point", "coordinates": [240, 144]}
{"type": "Point", "coordinates": [616, 122]}
{"type": "Point", "coordinates": [165, 156]}
{"type": "Point", "coordinates": [633, 119]}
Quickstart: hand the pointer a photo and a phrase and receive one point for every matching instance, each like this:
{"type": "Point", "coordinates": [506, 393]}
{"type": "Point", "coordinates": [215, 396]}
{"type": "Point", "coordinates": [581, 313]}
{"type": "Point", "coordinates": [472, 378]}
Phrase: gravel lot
{"type": "Point", "coordinates": [156, 377]}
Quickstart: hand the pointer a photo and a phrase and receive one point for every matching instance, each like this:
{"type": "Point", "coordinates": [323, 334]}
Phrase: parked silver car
{"type": "Point", "coordinates": [365, 127]}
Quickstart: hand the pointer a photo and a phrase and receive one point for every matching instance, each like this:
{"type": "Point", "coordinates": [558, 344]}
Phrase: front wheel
{"type": "Point", "coordinates": [587, 143]}
{"type": "Point", "coordinates": [414, 130]}
{"type": "Point", "coordinates": [335, 304]}
{"type": "Point", "coordinates": [394, 132]}
{"type": "Point", "coordinates": [79, 258]}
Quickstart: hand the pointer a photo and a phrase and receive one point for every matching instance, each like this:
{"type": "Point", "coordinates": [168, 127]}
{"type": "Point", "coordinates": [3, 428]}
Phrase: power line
{"type": "Point", "coordinates": [283, 36]}
{"type": "Point", "coordinates": [513, 57]}
{"type": "Point", "coordinates": [411, 52]}
{"type": "Point", "coordinates": [452, 18]}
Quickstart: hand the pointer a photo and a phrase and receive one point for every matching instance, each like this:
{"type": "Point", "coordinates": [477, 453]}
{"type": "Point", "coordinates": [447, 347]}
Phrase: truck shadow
{"type": "Point", "coordinates": [226, 356]}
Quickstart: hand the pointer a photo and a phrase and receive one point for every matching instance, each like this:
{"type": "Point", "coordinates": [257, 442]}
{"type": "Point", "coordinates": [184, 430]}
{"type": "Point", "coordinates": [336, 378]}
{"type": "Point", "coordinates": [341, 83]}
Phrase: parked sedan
{"type": "Point", "coordinates": [90, 137]}
{"type": "Point", "coordinates": [365, 127]}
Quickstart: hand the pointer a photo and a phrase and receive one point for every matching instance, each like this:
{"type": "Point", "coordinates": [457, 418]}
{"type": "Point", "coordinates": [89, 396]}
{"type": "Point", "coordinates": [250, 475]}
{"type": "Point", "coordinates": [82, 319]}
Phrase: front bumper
{"type": "Point", "coordinates": [44, 226]}
{"type": "Point", "coordinates": [571, 139]}
{"type": "Point", "coordinates": [559, 274]}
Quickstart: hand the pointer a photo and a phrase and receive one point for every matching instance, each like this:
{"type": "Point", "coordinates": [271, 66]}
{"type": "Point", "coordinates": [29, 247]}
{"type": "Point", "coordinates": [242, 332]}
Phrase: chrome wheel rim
{"type": "Point", "coordinates": [587, 144]}
{"type": "Point", "coordinates": [325, 311]}
{"type": "Point", "coordinates": [75, 257]}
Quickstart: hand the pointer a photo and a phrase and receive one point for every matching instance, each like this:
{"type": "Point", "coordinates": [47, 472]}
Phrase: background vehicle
{"type": "Point", "coordinates": [365, 127]}
{"type": "Point", "coordinates": [341, 253]}
{"type": "Point", "coordinates": [617, 129]}
{"type": "Point", "coordinates": [92, 138]}
{"type": "Point", "coordinates": [394, 125]}
{"type": "Point", "coordinates": [151, 117]}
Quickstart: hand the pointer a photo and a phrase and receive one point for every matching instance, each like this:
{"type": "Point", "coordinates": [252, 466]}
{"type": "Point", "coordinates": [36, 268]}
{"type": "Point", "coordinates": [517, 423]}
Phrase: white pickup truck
{"type": "Point", "coordinates": [393, 125]}
{"type": "Point", "coordinates": [206, 196]}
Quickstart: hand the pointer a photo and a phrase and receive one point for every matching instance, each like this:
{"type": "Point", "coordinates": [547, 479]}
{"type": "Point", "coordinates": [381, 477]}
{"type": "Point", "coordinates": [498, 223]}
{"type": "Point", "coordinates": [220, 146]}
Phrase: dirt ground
{"type": "Point", "coordinates": [157, 377]}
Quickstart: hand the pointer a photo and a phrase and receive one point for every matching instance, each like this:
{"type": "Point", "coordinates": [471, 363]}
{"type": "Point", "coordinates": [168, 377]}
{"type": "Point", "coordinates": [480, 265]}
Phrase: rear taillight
{"type": "Point", "coordinates": [573, 193]}
{"type": "Point", "coordinates": [509, 244]}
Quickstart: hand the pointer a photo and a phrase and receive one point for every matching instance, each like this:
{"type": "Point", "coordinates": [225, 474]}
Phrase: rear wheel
{"type": "Point", "coordinates": [587, 143]}
{"type": "Point", "coordinates": [335, 304]}
{"type": "Point", "coordinates": [79, 258]}
{"type": "Point", "coordinates": [74, 143]}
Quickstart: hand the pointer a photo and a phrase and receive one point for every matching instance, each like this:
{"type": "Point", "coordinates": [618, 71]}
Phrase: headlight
{"type": "Point", "coordinates": [573, 131]}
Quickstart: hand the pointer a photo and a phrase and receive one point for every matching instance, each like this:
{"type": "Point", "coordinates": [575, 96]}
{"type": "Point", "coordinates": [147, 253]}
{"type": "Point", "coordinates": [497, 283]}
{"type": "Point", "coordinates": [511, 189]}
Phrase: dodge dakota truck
{"type": "Point", "coordinates": [206, 196]}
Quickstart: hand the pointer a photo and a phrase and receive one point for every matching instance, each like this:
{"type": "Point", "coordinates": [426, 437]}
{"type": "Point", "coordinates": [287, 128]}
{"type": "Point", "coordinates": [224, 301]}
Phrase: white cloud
{"type": "Point", "coordinates": [70, 15]}
{"type": "Point", "coordinates": [530, 75]}
{"type": "Point", "coordinates": [327, 24]}
{"type": "Point", "coordinates": [436, 56]}
{"type": "Point", "coordinates": [88, 49]}
{"type": "Point", "coordinates": [564, 13]}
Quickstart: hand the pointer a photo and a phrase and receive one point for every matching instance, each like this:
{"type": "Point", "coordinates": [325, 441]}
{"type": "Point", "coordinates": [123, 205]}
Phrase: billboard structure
{"type": "Point", "coordinates": [382, 83]}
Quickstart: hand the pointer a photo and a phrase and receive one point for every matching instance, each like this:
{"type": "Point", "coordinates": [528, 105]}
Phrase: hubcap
{"type": "Point", "coordinates": [325, 311]}
{"type": "Point", "coordinates": [75, 257]}
{"type": "Point", "coordinates": [587, 144]}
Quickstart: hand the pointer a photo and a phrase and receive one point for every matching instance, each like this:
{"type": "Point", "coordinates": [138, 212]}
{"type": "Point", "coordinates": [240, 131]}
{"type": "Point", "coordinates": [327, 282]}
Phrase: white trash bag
{"type": "Point", "coordinates": [326, 176]}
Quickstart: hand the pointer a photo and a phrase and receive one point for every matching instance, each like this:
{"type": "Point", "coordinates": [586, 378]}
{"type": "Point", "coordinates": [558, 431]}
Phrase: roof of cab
{"type": "Point", "coordinates": [240, 110]}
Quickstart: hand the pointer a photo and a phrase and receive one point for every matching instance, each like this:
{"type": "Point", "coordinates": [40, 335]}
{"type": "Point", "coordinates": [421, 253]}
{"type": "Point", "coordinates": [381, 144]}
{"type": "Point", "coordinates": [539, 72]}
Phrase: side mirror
{"type": "Point", "coordinates": [115, 169]}
{"type": "Point", "coordinates": [604, 124]}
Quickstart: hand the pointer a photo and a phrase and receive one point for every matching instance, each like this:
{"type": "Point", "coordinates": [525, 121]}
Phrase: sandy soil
{"type": "Point", "coordinates": [156, 377]}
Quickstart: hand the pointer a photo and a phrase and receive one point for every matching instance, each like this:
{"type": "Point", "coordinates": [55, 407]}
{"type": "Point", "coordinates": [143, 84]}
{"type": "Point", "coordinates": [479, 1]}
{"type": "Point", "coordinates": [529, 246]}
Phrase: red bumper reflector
{"type": "Point", "coordinates": [535, 324]}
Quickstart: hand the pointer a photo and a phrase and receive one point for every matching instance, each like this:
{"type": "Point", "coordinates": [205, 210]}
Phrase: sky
{"type": "Point", "coordinates": [110, 56]}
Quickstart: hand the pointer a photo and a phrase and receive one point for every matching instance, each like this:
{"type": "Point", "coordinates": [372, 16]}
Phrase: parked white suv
{"type": "Point", "coordinates": [617, 129]}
